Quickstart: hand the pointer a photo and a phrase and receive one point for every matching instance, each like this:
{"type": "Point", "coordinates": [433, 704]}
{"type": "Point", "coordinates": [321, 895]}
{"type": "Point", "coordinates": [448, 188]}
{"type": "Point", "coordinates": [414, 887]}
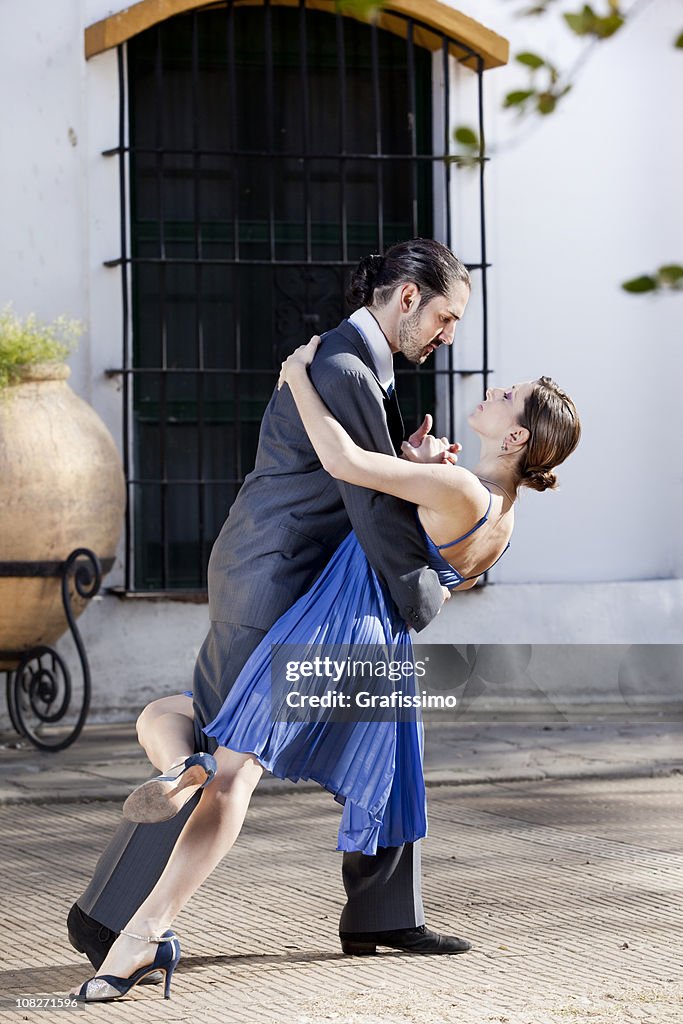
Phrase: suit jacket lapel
{"type": "Point", "coordinates": [391, 407]}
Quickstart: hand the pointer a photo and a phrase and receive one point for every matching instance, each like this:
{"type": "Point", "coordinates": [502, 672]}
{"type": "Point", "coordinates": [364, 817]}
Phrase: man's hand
{"type": "Point", "coordinates": [422, 446]}
{"type": "Point", "coordinates": [418, 437]}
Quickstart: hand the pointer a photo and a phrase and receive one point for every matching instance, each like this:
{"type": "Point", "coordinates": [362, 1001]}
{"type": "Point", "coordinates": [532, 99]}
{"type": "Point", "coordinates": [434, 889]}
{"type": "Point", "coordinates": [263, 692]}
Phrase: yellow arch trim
{"type": "Point", "coordinates": [459, 28]}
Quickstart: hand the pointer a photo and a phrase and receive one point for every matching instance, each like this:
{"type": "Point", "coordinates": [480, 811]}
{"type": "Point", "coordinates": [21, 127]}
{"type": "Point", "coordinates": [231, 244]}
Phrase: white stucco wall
{"type": "Point", "coordinates": [59, 200]}
{"type": "Point", "coordinates": [140, 650]}
{"type": "Point", "coordinates": [586, 200]}
{"type": "Point", "coordinates": [578, 202]}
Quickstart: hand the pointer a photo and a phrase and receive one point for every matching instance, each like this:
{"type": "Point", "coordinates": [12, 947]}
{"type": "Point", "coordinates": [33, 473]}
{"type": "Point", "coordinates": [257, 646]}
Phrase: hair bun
{"type": "Point", "coordinates": [364, 280]}
{"type": "Point", "coordinates": [540, 479]}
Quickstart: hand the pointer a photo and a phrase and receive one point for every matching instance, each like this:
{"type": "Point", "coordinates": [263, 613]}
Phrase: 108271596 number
{"type": "Point", "coordinates": [44, 1002]}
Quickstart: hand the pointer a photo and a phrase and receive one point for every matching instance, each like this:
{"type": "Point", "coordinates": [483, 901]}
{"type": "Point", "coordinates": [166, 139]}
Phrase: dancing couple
{"type": "Point", "coordinates": [331, 540]}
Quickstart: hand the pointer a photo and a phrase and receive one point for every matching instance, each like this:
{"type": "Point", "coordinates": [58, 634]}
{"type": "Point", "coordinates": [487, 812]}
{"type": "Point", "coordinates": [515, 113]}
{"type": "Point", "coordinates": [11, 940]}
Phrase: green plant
{"type": "Point", "coordinates": [365, 9]}
{"type": "Point", "coordinates": [26, 341]}
{"type": "Point", "coordinates": [669, 276]}
{"type": "Point", "coordinates": [547, 85]}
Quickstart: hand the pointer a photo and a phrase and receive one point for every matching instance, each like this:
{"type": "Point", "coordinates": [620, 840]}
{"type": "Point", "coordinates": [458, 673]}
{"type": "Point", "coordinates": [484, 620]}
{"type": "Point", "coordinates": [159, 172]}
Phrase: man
{"type": "Point", "coordinates": [288, 519]}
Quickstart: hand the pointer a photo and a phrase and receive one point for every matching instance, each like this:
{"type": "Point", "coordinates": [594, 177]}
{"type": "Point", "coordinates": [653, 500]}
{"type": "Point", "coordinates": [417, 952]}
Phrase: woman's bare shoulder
{"type": "Point", "coordinates": [469, 493]}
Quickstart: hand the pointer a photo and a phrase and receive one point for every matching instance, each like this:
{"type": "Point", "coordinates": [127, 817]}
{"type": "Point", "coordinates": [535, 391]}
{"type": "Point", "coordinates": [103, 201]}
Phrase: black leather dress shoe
{"type": "Point", "coordinates": [89, 936]}
{"type": "Point", "coordinates": [409, 940]}
{"type": "Point", "coordinates": [95, 940]}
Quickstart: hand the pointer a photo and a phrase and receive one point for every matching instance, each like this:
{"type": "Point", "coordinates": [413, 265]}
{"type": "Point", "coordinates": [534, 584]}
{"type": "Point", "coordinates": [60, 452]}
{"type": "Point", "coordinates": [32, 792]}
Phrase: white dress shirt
{"type": "Point", "coordinates": [376, 340]}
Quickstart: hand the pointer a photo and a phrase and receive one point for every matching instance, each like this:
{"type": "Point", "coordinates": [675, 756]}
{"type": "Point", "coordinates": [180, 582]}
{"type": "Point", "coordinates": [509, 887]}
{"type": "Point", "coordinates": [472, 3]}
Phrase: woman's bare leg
{"type": "Point", "coordinates": [208, 835]}
{"type": "Point", "coordinates": [166, 733]}
{"type": "Point", "coordinates": [165, 730]}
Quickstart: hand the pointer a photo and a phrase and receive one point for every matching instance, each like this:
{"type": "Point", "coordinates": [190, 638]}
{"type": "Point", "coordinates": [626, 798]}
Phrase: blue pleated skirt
{"type": "Point", "coordinates": [372, 767]}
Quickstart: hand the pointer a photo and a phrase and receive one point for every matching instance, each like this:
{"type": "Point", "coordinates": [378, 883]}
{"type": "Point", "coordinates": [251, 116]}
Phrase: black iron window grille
{"type": "Point", "coordinates": [263, 150]}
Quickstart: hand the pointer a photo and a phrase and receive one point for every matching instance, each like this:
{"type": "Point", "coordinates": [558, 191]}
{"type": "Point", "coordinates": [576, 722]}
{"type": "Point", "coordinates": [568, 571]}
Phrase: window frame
{"type": "Point", "coordinates": [442, 163]}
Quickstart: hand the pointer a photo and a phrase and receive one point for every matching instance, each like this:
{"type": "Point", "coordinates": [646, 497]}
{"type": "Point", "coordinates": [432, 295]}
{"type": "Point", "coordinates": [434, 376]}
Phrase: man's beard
{"type": "Point", "coordinates": [410, 342]}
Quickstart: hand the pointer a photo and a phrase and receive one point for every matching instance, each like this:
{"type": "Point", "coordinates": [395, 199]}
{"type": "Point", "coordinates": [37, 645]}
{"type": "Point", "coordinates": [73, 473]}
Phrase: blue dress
{"type": "Point", "coordinates": [372, 767]}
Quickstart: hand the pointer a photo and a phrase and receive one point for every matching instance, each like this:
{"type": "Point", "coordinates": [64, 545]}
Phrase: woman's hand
{"type": "Point", "coordinates": [301, 357]}
{"type": "Point", "coordinates": [431, 449]}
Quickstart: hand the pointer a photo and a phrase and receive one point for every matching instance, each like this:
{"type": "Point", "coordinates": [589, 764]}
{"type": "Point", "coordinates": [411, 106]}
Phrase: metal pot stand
{"type": "Point", "coordinates": [39, 685]}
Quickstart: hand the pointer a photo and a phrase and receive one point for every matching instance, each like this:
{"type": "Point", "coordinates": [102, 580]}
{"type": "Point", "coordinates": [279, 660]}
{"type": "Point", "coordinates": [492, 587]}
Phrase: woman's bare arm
{"type": "Point", "coordinates": [431, 485]}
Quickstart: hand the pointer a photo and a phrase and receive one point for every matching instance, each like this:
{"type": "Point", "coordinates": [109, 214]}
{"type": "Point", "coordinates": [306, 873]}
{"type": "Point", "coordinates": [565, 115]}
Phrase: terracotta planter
{"type": "Point", "coordinates": [61, 488]}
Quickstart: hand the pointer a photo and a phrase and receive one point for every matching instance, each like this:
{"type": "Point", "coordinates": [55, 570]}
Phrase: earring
{"type": "Point", "coordinates": [503, 447]}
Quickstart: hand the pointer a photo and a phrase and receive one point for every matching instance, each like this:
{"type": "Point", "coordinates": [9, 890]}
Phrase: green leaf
{"type": "Point", "coordinates": [588, 23]}
{"type": "Point", "coordinates": [581, 23]}
{"type": "Point", "coordinates": [366, 9]}
{"type": "Point", "coordinates": [546, 103]}
{"type": "Point", "coordinates": [518, 98]}
{"type": "Point", "coordinates": [670, 274]}
{"type": "Point", "coordinates": [576, 23]}
{"type": "Point", "coordinates": [466, 136]}
{"type": "Point", "coordinates": [638, 285]}
{"type": "Point", "coordinates": [530, 60]}
{"type": "Point", "coordinates": [679, 42]}
{"type": "Point", "coordinates": [606, 27]}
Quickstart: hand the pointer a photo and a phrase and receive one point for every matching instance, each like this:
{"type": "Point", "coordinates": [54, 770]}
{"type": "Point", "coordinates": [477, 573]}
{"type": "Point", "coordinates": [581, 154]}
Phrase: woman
{"type": "Point", "coordinates": [374, 768]}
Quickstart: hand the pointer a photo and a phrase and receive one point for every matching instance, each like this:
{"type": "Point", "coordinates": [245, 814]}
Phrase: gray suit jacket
{"type": "Point", "coordinates": [290, 515]}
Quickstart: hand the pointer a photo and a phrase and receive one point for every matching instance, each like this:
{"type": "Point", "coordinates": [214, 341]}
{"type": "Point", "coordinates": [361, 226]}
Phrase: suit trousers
{"type": "Point", "coordinates": [383, 892]}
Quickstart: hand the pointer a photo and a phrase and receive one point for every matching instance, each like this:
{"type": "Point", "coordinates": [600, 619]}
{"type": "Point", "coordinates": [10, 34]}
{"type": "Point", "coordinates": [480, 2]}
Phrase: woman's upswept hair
{"type": "Point", "coordinates": [431, 265]}
{"type": "Point", "coordinates": [554, 428]}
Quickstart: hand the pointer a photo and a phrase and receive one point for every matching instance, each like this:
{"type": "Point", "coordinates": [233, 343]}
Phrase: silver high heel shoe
{"type": "Point", "coordinates": [152, 800]}
{"type": "Point", "coordinates": [104, 988]}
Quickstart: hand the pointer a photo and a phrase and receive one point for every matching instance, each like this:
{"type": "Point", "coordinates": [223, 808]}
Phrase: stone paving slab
{"type": "Point", "coordinates": [106, 761]}
{"type": "Point", "coordinates": [570, 891]}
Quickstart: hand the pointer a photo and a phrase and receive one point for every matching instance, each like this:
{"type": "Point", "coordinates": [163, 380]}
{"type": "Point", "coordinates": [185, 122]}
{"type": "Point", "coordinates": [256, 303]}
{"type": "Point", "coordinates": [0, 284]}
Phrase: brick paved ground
{"type": "Point", "coordinates": [570, 891]}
